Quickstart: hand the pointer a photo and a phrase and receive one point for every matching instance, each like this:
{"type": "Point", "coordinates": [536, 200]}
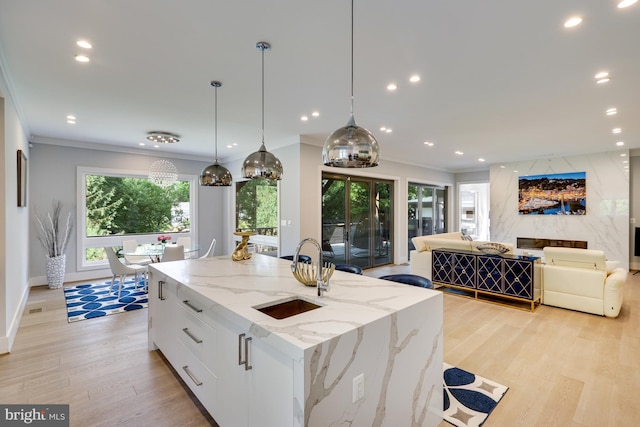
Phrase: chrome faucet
{"type": "Point", "coordinates": [320, 284]}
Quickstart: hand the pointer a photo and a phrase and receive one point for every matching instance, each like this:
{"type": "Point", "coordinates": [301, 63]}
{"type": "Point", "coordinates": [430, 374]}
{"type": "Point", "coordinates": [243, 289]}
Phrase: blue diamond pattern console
{"type": "Point", "coordinates": [506, 278]}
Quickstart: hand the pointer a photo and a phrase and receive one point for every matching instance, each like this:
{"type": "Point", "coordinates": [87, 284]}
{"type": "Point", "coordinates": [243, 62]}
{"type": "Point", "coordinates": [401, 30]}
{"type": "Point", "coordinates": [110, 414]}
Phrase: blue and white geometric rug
{"type": "Point", "coordinates": [469, 398]}
{"type": "Point", "coordinates": [93, 300]}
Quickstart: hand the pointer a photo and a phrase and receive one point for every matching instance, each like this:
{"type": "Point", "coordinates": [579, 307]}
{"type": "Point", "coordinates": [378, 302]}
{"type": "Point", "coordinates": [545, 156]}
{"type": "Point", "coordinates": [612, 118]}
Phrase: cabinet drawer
{"type": "Point", "coordinates": [200, 338]}
{"type": "Point", "coordinates": [198, 378]}
{"type": "Point", "coordinates": [192, 302]}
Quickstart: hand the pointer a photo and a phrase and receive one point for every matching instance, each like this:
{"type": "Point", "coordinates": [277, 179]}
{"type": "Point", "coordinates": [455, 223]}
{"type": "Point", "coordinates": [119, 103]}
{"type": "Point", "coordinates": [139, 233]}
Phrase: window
{"type": "Point", "coordinates": [113, 204]}
{"type": "Point", "coordinates": [257, 210]}
{"type": "Point", "coordinates": [474, 210]}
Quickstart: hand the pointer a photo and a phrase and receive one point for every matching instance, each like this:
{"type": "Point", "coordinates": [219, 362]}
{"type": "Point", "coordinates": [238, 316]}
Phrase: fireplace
{"type": "Point", "coordinates": [533, 243]}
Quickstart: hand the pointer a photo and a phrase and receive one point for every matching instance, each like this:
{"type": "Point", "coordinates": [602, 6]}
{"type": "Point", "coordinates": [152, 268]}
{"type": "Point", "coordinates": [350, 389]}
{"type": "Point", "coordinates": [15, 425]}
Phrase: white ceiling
{"type": "Point", "coordinates": [501, 79]}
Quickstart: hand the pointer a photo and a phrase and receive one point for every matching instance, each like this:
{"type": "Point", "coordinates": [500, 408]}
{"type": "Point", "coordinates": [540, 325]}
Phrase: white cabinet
{"type": "Point", "coordinates": [239, 378]}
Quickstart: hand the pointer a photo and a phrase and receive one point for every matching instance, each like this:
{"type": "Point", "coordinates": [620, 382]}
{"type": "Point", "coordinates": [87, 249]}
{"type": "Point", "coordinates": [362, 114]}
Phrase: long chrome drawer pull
{"type": "Point", "coordinates": [247, 363]}
{"type": "Point", "coordinates": [193, 378]}
{"type": "Point", "coordinates": [186, 331]}
{"type": "Point", "coordinates": [240, 337]}
{"type": "Point", "coordinates": [192, 307]}
{"type": "Point", "coordinates": [161, 290]}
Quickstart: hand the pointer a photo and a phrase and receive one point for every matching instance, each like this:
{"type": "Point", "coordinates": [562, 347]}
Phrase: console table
{"type": "Point", "coordinates": [503, 279]}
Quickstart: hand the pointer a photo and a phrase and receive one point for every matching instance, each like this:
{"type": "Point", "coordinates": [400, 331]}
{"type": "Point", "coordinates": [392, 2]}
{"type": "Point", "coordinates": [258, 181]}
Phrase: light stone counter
{"type": "Point", "coordinates": [390, 332]}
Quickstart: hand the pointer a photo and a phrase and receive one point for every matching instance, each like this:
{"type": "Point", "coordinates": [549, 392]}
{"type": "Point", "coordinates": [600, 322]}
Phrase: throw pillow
{"type": "Point", "coordinates": [467, 237]}
{"type": "Point", "coordinates": [492, 248]}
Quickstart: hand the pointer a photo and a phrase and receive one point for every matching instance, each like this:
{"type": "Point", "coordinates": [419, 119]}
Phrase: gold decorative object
{"type": "Point", "coordinates": [307, 273]}
{"type": "Point", "coordinates": [241, 252]}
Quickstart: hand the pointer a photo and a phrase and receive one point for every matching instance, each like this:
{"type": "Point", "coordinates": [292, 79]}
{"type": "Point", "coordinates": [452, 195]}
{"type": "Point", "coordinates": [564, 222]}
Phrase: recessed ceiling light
{"type": "Point", "coordinates": [392, 86]}
{"type": "Point", "coordinates": [82, 58]}
{"type": "Point", "coordinates": [382, 129]}
{"type": "Point", "coordinates": [572, 22]}
{"type": "Point", "coordinates": [84, 44]}
{"type": "Point", "coordinates": [156, 146]}
{"type": "Point", "coordinates": [315, 114]}
{"type": "Point", "coordinates": [620, 143]}
{"type": "Point", "coordinates": [502, 167]}
{"type": "Point", "coordinates": [428, 143]}
{"type": "Point", "coordinates": [623, 155]}
{"type": "Point", "coordinates": [71, 117]}
{"type": "Point", "coordinates": [626, 3]}
{"type": "Point", "coordinates": [611, 111]}
{"type": "Point", "coordinates": [459, 153]}
{"type": "Point", "coordinates": [388, 130]}
{"type": "Point", "coordinates": [481, 159]}
{"type": "Point", "coordinates": [234, 144]}
{"type": "Point", "coordinates": [304, 118]}
{"type": "Point", "coordinates": [141, 144]}
{"type": "Point", "coordinates": [601, 75]}
{"type": "Point", "coordinates": [616, 130]}
{"type": "Point", "coordinates": [515, 171]}
{"type": "Point", "coordinates": [71, 121]}
{"type": "Point", "coordinates": [414, 79]}
{"type": "Point", "coordinates": [229, 146]}
{"type": "Point", "coordinates": [625, 161]}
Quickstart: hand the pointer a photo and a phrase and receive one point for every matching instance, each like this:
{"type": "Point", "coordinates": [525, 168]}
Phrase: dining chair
{"type": "Point", "coordinates": [409, 279]}
{"type": "Point", "coordinates": [118, 268]}
{"type": "Point", "coordinates": [210, 251]}
{"type": "Point", "coordinates": [129, 246]}
{"type": "Point", "coordinates": [186, 242]}
{"type": "Point", "coordinates": [172, 253]}
{"type": "Point", "coordinates": [349, 268]}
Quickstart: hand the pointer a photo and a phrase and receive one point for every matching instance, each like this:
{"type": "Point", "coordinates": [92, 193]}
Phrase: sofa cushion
{"type": "Point", "coordinates": [591, 259]}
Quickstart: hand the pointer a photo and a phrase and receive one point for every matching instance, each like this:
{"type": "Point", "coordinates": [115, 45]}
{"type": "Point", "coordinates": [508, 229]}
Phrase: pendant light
{"type": "Point", "coordinates": [163, 173]}
{"type": "Point", "coordinates": [262, 164]}
{"type": "Point", "coordinates": [215, 175]}
{"type": "Point", "coordinates": [351, 146]}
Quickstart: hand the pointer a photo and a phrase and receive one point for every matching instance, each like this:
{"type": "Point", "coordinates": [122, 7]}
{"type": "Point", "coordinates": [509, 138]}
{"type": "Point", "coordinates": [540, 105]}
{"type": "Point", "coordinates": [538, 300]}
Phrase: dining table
{"type": "Point", "coordinates": [155, 250]}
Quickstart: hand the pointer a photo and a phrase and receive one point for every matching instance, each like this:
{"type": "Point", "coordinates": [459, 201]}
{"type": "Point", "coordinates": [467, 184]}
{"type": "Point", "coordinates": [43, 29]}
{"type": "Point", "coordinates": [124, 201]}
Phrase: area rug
{"type": "Point", "coordinates": [92, 300]}
{"type": "Point", "coordinates": [469, 398]}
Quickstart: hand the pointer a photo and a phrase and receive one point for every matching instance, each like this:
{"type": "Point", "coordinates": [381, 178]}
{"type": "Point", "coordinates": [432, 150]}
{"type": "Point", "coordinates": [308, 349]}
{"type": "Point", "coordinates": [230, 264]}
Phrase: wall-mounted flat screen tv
{"type": "Point", "coordinates": [553, 194]}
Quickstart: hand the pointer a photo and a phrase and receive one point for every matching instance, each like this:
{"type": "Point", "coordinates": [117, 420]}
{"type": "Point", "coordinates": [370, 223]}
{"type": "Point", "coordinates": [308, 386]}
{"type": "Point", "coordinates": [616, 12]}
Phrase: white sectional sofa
{"type": "Point", "coordinates": [582, 280]}
{"type": "Point", "coordinates": [420, 258]}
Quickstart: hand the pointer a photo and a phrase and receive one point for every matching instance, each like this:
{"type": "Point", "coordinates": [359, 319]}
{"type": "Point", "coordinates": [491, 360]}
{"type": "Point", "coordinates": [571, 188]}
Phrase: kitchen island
{"type": "Point", "coordinates": [369, 355]}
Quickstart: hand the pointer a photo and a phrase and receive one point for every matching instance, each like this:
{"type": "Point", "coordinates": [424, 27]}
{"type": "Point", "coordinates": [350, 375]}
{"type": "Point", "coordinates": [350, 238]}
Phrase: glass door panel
{"type": "Point", "coordinates": [426, 211]}
{"type": "Point", "coordinates": [356, 220]}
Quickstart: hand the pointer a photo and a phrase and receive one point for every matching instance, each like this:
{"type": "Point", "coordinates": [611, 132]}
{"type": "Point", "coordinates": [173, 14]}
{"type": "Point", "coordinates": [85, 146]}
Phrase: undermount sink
{"type": "Point", "coordinates": [287, 308]}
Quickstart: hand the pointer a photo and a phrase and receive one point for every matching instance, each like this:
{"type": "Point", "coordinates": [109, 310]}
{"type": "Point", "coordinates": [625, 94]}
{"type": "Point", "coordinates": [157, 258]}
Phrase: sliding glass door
{"type": "Point", "coordinates": [426, 209]}
{"type": "Point", "coordinates": [356, 220]}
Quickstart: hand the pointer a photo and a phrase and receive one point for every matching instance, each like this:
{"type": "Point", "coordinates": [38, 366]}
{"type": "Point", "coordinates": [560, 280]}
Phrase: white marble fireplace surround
{"type": "Point", "coordinates": [606, 223]}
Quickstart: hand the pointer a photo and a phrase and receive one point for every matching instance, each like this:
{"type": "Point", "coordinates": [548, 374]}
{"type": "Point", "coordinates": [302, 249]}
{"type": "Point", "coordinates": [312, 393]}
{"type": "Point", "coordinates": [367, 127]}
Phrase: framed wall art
{"type": "Point", "coordinates": [22, 179]}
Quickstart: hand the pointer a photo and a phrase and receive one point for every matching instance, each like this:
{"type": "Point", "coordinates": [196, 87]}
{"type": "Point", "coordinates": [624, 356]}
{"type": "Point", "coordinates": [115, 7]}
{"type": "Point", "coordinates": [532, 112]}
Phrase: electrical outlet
{"type": "Point", "coordinates": [358, 388]}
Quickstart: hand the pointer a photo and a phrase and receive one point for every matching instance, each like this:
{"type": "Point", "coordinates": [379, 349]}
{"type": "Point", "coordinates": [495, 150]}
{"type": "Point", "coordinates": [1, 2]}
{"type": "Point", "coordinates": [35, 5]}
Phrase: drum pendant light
{"type": "Point", "coordinates": [351, 146]}
{"type": "Point", "coordinates": [262, 164]}
{"type": "Point", "coordinates": [215, 175]}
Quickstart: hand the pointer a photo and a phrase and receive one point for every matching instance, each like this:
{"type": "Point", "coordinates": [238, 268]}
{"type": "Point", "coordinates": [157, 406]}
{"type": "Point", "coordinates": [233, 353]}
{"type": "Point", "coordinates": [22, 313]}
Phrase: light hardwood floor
{"type": "Point", "coordinates": [563, 368]}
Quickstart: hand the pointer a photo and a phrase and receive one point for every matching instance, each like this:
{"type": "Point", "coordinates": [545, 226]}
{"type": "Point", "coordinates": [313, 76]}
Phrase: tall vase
{"type": "Point", "coordinates": [55, 271]}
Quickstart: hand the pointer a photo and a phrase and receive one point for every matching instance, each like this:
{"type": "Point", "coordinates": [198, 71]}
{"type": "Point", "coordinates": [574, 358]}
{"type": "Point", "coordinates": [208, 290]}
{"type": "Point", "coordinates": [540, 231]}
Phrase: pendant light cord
{"type": "Point", "coordinates": [215, 120]}
{"type": "Point", "coordinates": [351, 57]}
{"type": "Point", "coordinates": [262, 49]}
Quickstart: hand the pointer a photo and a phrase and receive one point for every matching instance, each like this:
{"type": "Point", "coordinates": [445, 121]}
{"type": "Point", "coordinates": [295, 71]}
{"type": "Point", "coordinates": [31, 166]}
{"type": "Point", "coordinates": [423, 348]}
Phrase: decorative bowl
{"type": "Point", "coordinates": [490, 248]}
{"type": "Point", "coordinates": [307, 273]}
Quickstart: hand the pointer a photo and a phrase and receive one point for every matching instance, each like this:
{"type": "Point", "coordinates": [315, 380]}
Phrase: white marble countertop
{"type": "Point", "coordinates": [234, 288]}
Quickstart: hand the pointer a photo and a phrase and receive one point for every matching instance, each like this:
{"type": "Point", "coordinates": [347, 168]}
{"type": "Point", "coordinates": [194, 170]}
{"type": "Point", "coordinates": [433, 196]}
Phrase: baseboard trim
{"type": "Point", "coordinates": [74, 277]}
{"type": "Point", "coordinates": [6, 343]}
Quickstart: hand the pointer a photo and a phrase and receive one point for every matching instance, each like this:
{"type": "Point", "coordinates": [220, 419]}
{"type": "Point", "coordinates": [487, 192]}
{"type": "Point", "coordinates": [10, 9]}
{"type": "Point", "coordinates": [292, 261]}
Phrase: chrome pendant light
{"type": "Point", "coordinates": [351, 146]}
{"type": "Point", "coordinates": [262, 164]}
{"type": "Point", "coordinates": [215, 175]}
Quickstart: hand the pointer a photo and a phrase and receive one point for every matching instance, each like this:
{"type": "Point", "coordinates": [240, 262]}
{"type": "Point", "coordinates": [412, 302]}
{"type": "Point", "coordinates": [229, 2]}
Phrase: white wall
{"type": "Point", "coordinates": [14, 282]}
{"type": "Point", "coordinates": [606, 223]}
{"type": "Point", "coordinates": [53, 177]}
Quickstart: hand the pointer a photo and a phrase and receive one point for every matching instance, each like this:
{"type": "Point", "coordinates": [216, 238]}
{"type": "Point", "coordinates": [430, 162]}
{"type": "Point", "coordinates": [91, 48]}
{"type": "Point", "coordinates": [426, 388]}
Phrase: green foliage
{"type": "Point", "coordinates": [257, 206]}
{"type": "Point", "coordinates": [117, 205]}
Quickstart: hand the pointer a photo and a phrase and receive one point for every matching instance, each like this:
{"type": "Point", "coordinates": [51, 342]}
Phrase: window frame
{"type": "Point", "coordinates": [83, 242]}
{"type": "Point", "coordinates": [258, 239]}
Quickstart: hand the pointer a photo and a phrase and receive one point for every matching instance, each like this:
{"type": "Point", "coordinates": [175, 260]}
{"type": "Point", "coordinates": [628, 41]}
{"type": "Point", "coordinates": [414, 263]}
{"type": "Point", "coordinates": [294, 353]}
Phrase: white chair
{"type": "Point", "coordinates": [210, 251]}
{"type": "Point", "coordinates": [128, 247]}
{"type": "Point", "coordinates": [172, 253]}
{"type": "Point", "coordinates": [118, 268]}
{"type": "Point", "coordinates": [186, 242]}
